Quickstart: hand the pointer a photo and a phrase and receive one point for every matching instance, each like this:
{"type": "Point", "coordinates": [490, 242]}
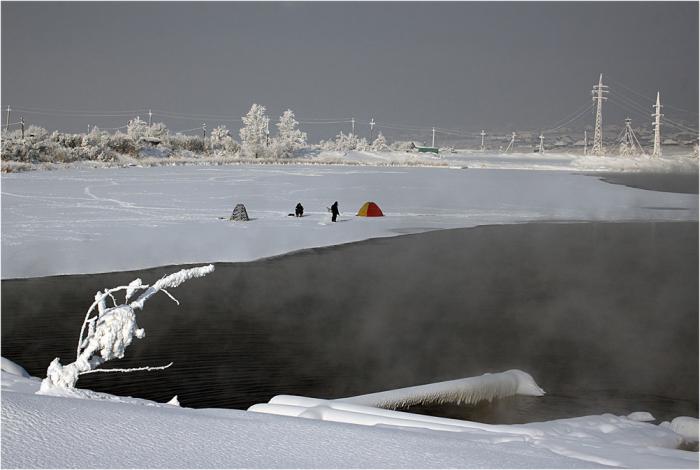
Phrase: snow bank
{"type": "Point", "coordinates": [685, 426]}
{"type": "Point", "coordinates": [468, 391]}
{"type": "Point", "coordinates": [44, 431]}
{"type": "Point", "coordinates": [11, 368]}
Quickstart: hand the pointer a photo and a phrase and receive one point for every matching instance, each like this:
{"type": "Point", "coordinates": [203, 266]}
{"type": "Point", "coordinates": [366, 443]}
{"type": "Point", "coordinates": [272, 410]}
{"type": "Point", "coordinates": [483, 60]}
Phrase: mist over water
{"type": "Point", "coordinates": [603, 315]}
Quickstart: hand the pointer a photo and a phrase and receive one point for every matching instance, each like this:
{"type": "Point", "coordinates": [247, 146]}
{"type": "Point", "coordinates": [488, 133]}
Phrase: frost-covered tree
{"type": "Point", "coordinates": [379, 144]}
{"type": "Point", "coordinates": [289, 137]}
{"type": "Point", "coordinates": [254, 132]}
{"type": "Point", "coordinates": [111, 330]}
{"type": "Point", "coordinates": [136, 128]}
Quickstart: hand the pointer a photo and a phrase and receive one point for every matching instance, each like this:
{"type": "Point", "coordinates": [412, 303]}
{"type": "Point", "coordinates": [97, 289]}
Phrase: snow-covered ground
{"type": "Point", "coordinates": [113, 219]}
{"type": "Point", "coordinates": [106, 431]}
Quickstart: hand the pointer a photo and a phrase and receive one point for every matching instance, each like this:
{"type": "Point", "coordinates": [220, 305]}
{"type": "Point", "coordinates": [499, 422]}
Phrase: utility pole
{"type": "Point", "coordinates": [510, 144]}
{"type": "Point", "coordinates": [267, 132]}
{"type": "Point", "coordinates": [585, 142]}
{"type": "Point", "coordinates": [204, 130]}
{"type": "Point", "coordinates": [433, 146]}
{"type": "Point", "coordinates": [483, 134]}
{"type": "Point", "coordinates": [7, 119]}
{"type": "Point", "coordinates": [353, 125]}
{"type": "Point", "coordinates": [150, 114]}
{"type": "Point", "coordinates": [657, 127]}
{"type": "Point", "coordinates": [598, 93]}
{"type": "Point", "coordinates": [541, 143]}
{"type": "Point", "coordinates": [21, 123]}
{"type": "Point", "coordinates": [371, 130]}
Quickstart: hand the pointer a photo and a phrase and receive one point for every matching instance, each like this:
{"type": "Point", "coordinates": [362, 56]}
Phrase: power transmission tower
{"type": "Point", "coordinates": [433, 146]}
{"type": "Point", "coordinates": [7, 119]}
{"type": "Point", "coordinates": [510, 144]}
{"type": "Point", "coordinates": [541, 150]}
{"type": "Point", "coordinates": [353, 125]}
{"type": "Point", "coordinates": [629, 144]}
{"type": "Point", "coordinates": [598, 93]}
{"type": "Point", "coordinates": [657, 127]}
{"type": "Point", "coordinates": [371, 130]}
{"type": "Point", "coordinates": [483, 134]}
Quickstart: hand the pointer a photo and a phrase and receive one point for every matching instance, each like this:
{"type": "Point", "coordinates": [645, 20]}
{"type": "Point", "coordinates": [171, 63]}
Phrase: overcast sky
{"type": "Point", "coordinates": [456, 65]}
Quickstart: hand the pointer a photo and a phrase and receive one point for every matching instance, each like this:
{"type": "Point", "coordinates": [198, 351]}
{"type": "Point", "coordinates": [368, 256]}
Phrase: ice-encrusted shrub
{"type": "Point", "coordinates": [111, 330]}
{"type": "Point", "coordinates": [402, 146]}
{"type": "Point", "coordinates": [379, 144]}
{"type": "Point", "coordinates": [122, 143]}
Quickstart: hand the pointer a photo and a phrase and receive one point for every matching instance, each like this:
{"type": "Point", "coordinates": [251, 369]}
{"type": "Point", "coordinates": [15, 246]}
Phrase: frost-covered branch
{"type": "Point", "coordinates": [111, 330]}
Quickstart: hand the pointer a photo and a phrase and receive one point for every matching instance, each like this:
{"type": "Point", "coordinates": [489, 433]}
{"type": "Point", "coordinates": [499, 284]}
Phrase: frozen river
{"type": "Point", "coordinates": [103, 220]}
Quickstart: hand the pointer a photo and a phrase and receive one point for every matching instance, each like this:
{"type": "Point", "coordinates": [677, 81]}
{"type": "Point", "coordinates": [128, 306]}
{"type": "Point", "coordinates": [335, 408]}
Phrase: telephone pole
{"type": "Point", "coordinates": [7, 119]}
{"type": "Point", "coordinates": [585, 142]}
{"type": "Point", "coordinates": [371, 130]}
{"type": "Point", "coordinates": [353, 125]}
{"type": "Point", "coordinates": [150, 115]}
{"type": "Point", "coordinates": [483, 134]}
{"type": "Point", "coordinates": [204, 130]}
{"type": "Point", "coordinates": [598, 93]}
{"type": "Point", "coordinates": [433, 146]}
{"type": "Point", "coordinates": [21, 123]}
{"type": "Point", "coordinates": [510, 144]}
{"type": "Point", "coordinates": [541, 143]}
{"type": "Point", "coordinates": [657, 127]}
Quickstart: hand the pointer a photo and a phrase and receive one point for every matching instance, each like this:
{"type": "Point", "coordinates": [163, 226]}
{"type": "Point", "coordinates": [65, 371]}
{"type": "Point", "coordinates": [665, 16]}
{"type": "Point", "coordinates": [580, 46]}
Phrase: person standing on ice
{"type": "Point", "coordinates": [334, 211]}
{"type": "Point", "coordinates": [299, 210]}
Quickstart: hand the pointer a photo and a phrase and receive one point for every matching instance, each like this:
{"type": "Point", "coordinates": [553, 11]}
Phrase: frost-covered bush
{"type": "Point", "coordinates": [158, 130]}
{"type": "Point", "coordinates": [379, 144]}
{"type": "Point", "coordinates": [122, 143]}
{"type": "Point", "coordinates": [221, 141]}
{"type": "Point", "coordinates": [111, 330]}
{"type": "Point", "coordinates": [402, 146]}
{"type": "Point", "coordinates": [189, 143]}
{"type": "Point", "coordinates": [136, 129]}
{"type": "Point", "coordinates": [254, 132]}
{"type": "Point", "coordinates": [95, 138]}
{"type": "Point", "coordinates": [35, 133]}
{"type": "Point", "coordinates": [344, 142]}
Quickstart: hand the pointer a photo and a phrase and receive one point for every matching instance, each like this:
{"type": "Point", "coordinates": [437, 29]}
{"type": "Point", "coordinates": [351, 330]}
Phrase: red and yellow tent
{"type": "Point", "coordinates": [370, 209]}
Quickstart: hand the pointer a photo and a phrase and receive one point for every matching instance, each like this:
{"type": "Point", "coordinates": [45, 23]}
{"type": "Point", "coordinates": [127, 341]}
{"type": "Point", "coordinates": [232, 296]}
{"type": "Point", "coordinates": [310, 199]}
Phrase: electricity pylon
{"type": "Point", "coordinates": [510, 144]}
{"type": "Point", "coordinates": [629, 144]}
{"type": "Point", "coordinates": [598, 93]}
{"type": "Point", "coordinates": [657, 127]}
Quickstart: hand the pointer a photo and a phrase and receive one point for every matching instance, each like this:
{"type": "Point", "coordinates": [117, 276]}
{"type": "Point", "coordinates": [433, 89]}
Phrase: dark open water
{"type": "Point", "coordinates": [604, 316]}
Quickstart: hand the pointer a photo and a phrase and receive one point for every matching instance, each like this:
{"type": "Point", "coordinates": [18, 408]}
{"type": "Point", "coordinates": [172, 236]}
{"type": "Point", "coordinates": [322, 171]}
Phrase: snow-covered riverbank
{"type": "Point", "coordinates": [45, 431]}
{"type": "Point", "coordinates": [86, 221]}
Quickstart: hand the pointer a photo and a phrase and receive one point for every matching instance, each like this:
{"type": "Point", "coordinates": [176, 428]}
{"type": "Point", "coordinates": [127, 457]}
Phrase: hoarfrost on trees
{"type": "Point", "coordinates": [112, 330]}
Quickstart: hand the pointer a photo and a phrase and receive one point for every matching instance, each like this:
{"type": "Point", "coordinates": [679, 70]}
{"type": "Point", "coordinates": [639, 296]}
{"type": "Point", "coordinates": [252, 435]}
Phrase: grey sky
{"type": "Point", "coordinates": [455, 65]}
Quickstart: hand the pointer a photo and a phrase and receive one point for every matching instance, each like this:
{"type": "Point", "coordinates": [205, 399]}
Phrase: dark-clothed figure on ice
{"type": "Point", "coordinates": [299, 210]}
{"type": "Point", "coordinates": [334, 211]}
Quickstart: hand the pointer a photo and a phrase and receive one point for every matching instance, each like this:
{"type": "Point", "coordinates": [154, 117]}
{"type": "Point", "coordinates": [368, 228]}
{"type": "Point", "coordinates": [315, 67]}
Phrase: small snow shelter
{"type": "Point", "coordinates": [370, 209]}
{"type": "Point", "coordinates": [239, 213]}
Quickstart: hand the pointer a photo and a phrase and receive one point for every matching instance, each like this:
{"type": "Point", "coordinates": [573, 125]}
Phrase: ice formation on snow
{"type": "Point", "coordinates": [112, 330]}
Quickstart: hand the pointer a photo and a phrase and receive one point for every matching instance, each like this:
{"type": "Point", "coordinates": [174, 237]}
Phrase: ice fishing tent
{"type": "Point", "coordinates": [370, 209]}
{"type": "Point", "coordinates": [239, 213]}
